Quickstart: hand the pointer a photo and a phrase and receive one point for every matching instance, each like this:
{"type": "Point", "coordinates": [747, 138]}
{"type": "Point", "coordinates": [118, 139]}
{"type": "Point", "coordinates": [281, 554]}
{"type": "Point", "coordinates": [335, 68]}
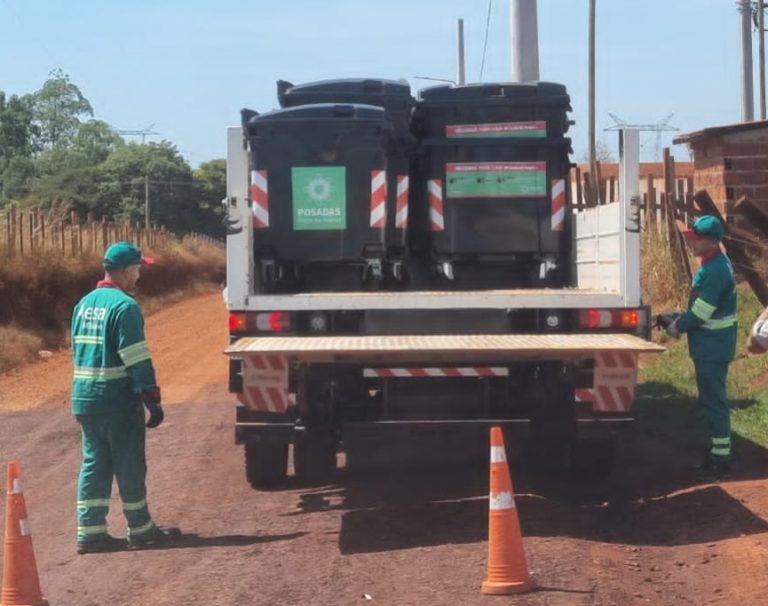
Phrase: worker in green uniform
{"type": "Point", "coordinates": [710, 323]}
{"type": "Point", "coordinates": [113, 382]}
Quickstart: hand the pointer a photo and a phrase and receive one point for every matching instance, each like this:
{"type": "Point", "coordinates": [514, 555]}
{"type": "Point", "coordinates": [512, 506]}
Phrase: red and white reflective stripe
{"type": "Point", "coordinates": [378, 198]}
{"type": "Point", "coordinates": [558, 204]}
{"type": "Point", "coordinates": [259, 199]}
{"type": "Point", "coordinates": [265, 383]}
{"type": "Point", "coordinates": [615, 379]}
{"type": "Point", "coordinates": [435, 372]}
{"type": "Point", "coordinates": [435, 190]}
{"type": "Point", "coordinates": [401, 214]}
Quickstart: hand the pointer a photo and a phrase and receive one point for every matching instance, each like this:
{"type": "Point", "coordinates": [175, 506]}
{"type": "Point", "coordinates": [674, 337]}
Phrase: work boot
{"type": "Point", "coordinates": [101, 544]}
{"type": "Point", "coordinates": [713, 469]}
{"type": "Point", "coordinates": [154, 538]}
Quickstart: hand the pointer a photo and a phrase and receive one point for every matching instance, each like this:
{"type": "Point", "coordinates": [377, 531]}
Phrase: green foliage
{"type": "Point", "coordinates": [58, 107]}
{"type": "Point", "coordinates": [16, 134]}
{"type": "Point", "coordinates": [52, 152]}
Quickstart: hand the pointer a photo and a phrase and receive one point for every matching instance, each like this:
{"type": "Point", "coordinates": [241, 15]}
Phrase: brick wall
{"type": "Point", "coordinates": [732, 166]}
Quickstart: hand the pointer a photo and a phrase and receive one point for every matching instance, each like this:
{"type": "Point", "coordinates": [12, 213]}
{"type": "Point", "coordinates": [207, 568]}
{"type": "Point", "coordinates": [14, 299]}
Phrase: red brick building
{"type": "Point", "coordinates": [730, 162]}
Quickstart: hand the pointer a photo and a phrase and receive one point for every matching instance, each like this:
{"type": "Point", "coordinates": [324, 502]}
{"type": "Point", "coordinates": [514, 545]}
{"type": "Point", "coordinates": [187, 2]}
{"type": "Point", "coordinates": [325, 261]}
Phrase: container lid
{"type": "Point", "coordinates": [533, 92]}
{"type": "Point", "coordinates": [321, 112]}
{"type": "Point", "coordinates": [359, 88]}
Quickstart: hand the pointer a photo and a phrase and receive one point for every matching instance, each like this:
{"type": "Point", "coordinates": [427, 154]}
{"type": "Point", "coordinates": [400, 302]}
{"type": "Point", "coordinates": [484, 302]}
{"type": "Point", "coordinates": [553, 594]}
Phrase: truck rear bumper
{"type": "Point", "coordinates": [285, 432]}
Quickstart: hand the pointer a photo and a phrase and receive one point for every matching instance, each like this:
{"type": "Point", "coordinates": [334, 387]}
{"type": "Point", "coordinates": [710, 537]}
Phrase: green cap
{"type": "Point", "coordinates": [706, 226]}
{"type": "Point", "coordinates": [124, 254]}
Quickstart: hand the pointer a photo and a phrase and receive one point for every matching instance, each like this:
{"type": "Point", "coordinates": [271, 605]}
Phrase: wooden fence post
{"type": "Point", "coordinates": [735, 250]}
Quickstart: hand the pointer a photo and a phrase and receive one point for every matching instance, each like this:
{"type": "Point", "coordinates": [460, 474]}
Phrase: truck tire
{"type": "Point", "coordinates": [266, 464]}
{"type": "Point", "coordinates": [314, 459]}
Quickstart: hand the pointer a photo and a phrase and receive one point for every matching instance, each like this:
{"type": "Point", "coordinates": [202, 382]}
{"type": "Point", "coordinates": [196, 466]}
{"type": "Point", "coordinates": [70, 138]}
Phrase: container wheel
{"type": "Point", "coordinates": [266, 464]}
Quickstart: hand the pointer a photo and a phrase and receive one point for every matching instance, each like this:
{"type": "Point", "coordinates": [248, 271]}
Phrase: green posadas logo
{"type": "Point", "coordinates": [319, 197]}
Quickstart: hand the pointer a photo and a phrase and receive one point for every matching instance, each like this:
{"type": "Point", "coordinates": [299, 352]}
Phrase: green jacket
{"type": "Point", "coordinates": [112, 364]}
{"type": "Point", "coordinates": [710, 320]}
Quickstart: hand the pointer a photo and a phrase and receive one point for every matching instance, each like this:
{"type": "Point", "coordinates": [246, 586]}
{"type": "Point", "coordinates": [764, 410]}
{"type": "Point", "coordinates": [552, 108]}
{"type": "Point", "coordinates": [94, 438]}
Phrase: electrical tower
{"type": "Point", "coordinates": [142, 132]}
{"type": "Point", "coordinates": [661, 126]}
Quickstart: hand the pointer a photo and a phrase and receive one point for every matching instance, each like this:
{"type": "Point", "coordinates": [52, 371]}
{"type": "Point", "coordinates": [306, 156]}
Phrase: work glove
{"type": "Point", "coordinates": [668, 321]}
{"type": "Point", "coordinates": [151, 400]}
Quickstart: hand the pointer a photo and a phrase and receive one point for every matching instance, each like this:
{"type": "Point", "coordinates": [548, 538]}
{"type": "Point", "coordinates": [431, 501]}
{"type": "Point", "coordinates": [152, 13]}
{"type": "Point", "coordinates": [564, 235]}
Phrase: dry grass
{"type": "Point", "coordinates": [662, 287]}
{"type": "Point", "coordinates": [18, 346]}
{"type": "Point", "coordinates": [37, 293]}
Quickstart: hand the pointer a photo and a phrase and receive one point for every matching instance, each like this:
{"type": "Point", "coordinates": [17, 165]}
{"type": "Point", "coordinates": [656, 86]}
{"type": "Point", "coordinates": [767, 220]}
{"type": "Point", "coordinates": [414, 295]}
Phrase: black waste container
{"type": "Point", "coordinates": [395, 97]}
{"type": "Point", "coordinates": [317, 194]}
{"type": "Point", "coordinates": [506, 110]}
{"type": "Point", "coordinates": [494, 187]}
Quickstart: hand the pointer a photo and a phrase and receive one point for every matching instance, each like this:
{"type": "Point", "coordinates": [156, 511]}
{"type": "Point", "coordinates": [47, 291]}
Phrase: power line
{"type": "Point", "coordinates": [485, 43]}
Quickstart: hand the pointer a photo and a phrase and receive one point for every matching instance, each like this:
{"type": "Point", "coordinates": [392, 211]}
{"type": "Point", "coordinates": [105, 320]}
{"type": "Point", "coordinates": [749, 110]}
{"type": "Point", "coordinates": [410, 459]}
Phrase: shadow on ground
{"type": "Point", "coordinates": [653, 497]}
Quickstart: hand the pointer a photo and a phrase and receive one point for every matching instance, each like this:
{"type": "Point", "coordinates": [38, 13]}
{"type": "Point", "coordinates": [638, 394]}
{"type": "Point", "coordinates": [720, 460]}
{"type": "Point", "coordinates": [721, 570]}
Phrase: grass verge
{"type": "Point", "coordinates": [666, 398]}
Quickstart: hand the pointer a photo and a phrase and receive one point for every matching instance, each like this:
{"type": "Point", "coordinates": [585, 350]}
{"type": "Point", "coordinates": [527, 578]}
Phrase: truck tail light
{"type": "Point", "coordinates": [269, 321]}
{"type": "Point", "coordinates": [609, 318]}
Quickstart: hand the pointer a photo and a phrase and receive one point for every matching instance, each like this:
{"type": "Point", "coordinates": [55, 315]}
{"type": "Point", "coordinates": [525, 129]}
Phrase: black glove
{"type": "Point", "coordinates": [664, 320]}
{"type": "Point", "coordinates": [151, 400]}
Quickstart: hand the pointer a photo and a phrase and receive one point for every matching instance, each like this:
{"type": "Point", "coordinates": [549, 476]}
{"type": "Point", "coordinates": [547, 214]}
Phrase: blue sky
{"type": "Point", "coordinates": [189, 67]}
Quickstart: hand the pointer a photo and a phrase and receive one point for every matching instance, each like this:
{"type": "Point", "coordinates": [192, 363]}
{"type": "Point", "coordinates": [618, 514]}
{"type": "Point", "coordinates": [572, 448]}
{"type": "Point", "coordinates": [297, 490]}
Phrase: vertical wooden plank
{"type": "Point", "coordinates": [43, 242]}
{"type": "Point", "coordinates": [599, 195]}
{"type": "Point", "coordinates": [21, 234]}
{"type": "Point", "coordinates": [14, 230]}
{"type": "Point", "coordinates": [31, 228]}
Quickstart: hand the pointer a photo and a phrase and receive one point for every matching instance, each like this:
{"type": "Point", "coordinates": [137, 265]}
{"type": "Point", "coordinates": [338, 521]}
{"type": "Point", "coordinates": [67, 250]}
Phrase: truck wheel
{"type": "Point", "coordinates": [314, 458]}
{"type": "Point", "coordinates": [266, 464]}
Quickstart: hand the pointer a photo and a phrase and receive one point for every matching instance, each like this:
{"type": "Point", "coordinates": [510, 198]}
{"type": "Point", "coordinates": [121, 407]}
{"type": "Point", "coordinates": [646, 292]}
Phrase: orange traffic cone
{"type": "Point", "coordinates": [507, 570]}
{"type": "Point", "coordinates": [21, 585]}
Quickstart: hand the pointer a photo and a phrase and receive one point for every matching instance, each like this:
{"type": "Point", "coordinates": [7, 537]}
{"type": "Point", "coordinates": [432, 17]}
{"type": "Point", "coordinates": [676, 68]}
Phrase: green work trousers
{"type": "Point", "coordinates": [710, 381]}
{"type": "Point", "coordinates": [113, 446]}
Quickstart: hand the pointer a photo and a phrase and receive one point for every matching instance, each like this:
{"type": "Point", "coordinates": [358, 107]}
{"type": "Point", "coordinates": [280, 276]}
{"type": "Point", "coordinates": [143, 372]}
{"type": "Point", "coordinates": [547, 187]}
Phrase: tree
{"type": "Point", "coordinates": [603, 153]}
{"type": "Point", "coordinates": [16, 132]}
{"type": "Point", "coordinates": [91, 146]}
{"type": "Point", "coordinates": [211, 179]}
{"type": "Point", "coordinates": [57, 108]}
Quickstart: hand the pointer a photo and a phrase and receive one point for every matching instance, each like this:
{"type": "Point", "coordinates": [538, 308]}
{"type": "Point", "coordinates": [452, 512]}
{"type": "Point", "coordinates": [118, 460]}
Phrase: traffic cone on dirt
{"type": "Point", "coordinates": [21, 585]}
{"type": "Point", "coordinates": [507, 570]}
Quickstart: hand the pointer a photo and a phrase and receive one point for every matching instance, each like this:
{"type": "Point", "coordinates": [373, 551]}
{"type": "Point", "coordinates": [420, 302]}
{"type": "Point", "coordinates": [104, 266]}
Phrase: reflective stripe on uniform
{"type": "Point", "coordinates": [719, 323]}
{"type": "Point", "coordinates": [135, 506]}
{"type": "Point", "coordinates": [87, 340]}
{"type": "Point", "coordinates": [722, 451]}
{"type": "Point", "coordinates": [133, 354]}
{"type": "Point", "coordinates": [100, 529]}
{"type": "Point", "coordinates": [100, 374]}
{"type": "Point", "coordinates": [702, 310]}
{"type": "Point", "coordinates": [142, 529]}
{"type": "Point", "coordinates": [93, 503]}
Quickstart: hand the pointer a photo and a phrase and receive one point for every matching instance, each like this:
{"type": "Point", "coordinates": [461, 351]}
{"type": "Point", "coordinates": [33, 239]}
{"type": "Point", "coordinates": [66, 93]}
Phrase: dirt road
{"type": "Point", "coordinates": [650, 535]}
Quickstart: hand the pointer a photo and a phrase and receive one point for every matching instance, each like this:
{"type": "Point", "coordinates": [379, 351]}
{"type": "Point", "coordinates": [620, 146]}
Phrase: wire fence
{"type": "Point", "coordinates": [27, 233]}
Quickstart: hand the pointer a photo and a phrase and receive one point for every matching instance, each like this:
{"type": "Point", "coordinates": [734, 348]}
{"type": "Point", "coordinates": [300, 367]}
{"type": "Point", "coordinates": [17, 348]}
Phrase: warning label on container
{"type": "Point", "coordinates": [536, 129]}
{"type": "Point", "coordinates": [496, 180]}
{"type": "Point", "coordinates": [319, 197]}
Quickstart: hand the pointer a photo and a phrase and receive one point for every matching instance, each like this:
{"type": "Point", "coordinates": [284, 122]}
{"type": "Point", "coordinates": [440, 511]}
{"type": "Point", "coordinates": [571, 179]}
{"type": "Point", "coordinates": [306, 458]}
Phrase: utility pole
{"type": "Point", "coordinates": [146, 200]}
{"type": "Point", "coordinates": [460, 77]}
{"type": "Point", "coordinates": [747, 92]}
{"type": "Point", "coordinates": [524, 34]}
{"type": "Point", "coordinates": [591, 101]}
{"type": "Point", "coordinates": [761, 54]}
